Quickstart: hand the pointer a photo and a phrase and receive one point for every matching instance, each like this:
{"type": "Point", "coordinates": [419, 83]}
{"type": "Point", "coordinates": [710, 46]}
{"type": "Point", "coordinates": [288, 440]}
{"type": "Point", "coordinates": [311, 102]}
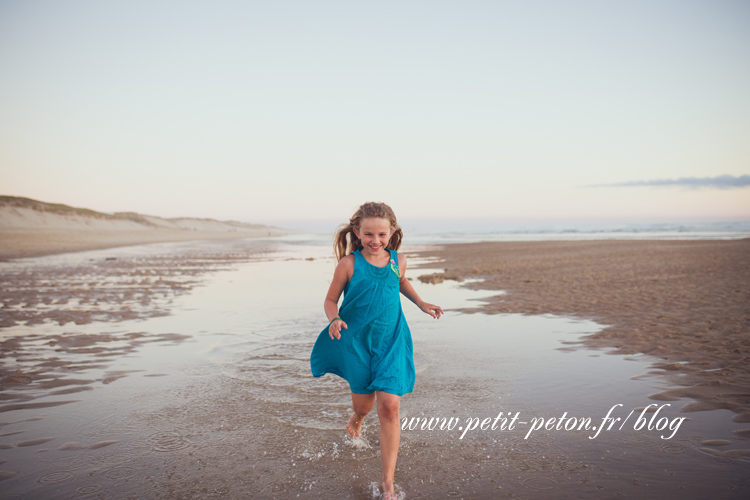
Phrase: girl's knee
{"type": "Point", "coordinates": [361, 408]}
{"type": "Point", "coordinates": [388, 407]}
{"type": "Point", "coordinates": [362, 403]}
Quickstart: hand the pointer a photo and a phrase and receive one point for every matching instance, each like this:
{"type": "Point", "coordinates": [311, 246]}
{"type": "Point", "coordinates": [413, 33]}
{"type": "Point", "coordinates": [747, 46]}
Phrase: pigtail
{"type": "Point", "coordinates": [395, 242]}
{"type": "Point", "coordinates": [354, 242]}
{"type": "Point", "coordinates": [345, 241]}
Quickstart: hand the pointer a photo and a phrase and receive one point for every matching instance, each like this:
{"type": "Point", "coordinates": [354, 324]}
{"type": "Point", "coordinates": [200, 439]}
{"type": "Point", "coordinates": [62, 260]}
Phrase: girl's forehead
{"type": "Point", "coordinates": [375, 224]}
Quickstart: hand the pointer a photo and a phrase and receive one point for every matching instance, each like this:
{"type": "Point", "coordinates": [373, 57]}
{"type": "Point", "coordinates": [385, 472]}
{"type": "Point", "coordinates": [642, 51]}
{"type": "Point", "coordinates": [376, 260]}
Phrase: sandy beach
{"type": "Point", "coordinates": [687, 302]}
{"type": "Point", "coordinates": [169, 358]}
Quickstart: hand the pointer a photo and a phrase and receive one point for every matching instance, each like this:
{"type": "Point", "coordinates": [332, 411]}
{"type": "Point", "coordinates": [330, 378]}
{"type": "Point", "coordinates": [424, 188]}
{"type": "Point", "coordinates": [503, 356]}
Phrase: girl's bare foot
{"type": "Point", "coordinates": [354, 426]}
{"type": "Point", "coordinates": [388, 492]}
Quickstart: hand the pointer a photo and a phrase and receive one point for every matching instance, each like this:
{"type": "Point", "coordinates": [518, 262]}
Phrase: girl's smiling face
{"type": "Point", "coordinates": [375, 233]}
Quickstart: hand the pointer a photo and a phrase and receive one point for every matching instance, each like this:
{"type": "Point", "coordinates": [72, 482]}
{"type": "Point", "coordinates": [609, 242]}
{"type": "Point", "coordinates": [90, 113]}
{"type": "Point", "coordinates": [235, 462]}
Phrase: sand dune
{"type": "Point", "coordinates": [31, 228]}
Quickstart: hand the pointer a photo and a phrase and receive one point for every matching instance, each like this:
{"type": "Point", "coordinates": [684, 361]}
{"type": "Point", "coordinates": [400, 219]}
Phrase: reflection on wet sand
{"type": "Point", "coordinates": [112, 285]}
{"type": "Point", "coordinates": [46, 365]}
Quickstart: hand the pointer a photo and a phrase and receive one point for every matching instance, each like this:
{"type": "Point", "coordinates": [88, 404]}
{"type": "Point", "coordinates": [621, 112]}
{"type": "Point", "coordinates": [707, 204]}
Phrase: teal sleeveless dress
{"type": "Point", "coordinates": [375, 352]}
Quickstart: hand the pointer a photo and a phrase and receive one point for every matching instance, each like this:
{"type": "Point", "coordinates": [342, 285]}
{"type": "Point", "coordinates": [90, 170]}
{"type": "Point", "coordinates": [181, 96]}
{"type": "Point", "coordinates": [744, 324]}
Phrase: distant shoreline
{"type": "Point", "coordinates": [19, 243]}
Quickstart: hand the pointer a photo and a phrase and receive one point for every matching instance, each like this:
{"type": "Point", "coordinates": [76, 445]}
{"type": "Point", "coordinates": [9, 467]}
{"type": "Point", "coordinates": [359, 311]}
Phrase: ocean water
{"type": "Point", "coordinates": [213, 397]}
{"type": "Point", "coordinates": [586, 231]}
{"type": "Point", "coordinates": [430, 233]}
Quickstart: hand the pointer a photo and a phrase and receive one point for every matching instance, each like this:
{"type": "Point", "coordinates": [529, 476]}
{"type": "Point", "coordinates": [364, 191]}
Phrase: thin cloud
{"type": "Point", "coordinates": [719, 182]}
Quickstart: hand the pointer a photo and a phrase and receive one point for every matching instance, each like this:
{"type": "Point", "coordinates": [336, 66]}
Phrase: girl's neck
{"type": "Point", "coordinates": [379, 260]}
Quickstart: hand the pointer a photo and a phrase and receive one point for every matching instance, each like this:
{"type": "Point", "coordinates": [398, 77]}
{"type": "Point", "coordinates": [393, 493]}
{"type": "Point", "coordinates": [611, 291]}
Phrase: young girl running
{"type": "Point", "coordinates": [367, 341]}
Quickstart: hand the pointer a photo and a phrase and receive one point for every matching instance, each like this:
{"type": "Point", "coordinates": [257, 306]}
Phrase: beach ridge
{"type": "Point", "coordinates": [32, 228]}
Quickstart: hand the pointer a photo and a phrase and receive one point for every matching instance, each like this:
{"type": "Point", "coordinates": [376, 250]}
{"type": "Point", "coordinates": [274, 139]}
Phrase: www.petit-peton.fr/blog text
{"type": "Point", "coordinates": [645, 419]}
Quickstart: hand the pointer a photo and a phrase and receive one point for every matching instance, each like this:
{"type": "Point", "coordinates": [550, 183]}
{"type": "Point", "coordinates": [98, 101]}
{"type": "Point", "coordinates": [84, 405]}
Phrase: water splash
{"type": "Point", "coordinates": [357, 443]}
{"type": "Point", "coordinates": [377, 494]}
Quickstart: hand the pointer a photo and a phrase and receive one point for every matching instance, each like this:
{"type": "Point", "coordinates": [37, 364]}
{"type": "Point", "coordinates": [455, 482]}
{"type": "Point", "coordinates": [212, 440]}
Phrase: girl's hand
{"type": "Point", "coordinates": [432, 310]}
{"type": "Point", "coordinates": [334, 329]}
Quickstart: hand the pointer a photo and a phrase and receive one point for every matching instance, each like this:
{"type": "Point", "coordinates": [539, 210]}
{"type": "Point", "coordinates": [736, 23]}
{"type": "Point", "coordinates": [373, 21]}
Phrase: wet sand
{"type": "Point", "coordinates": [182, 371]}
{"type": "Point", "coordinates": [102, 288]}
{"type": "Point", "coordinates": [685, 302]}
{"type": "Point", "coordinates": [19, 243]}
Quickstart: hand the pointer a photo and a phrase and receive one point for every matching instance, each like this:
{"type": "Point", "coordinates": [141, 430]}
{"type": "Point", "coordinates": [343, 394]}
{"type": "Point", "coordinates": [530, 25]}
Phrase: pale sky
{"type": "Point", "coordinates": [291, 111]}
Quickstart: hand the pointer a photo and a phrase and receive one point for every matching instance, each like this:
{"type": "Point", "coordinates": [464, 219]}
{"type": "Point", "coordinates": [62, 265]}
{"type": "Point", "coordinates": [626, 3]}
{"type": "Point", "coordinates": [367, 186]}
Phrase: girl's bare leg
{"type": "Point", "coordinates": [390, 436]}
{"type": "Point", "coordinates": [361, 404]}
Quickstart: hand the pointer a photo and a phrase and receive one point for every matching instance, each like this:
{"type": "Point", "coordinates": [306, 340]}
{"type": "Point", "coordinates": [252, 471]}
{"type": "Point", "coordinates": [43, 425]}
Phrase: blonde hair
{"type": "Point", "coordinates": [347, 242]}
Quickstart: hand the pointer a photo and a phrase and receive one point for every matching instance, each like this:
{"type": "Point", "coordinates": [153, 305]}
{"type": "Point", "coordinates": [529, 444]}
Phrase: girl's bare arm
{"type": "Point", "coordinates": [341, 277]}
{"type": "Point", "coordinates": [411, 294]}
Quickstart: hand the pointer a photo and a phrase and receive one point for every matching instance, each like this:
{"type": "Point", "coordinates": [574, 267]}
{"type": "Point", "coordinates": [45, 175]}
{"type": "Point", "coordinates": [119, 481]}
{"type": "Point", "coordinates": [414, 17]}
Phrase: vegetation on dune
{"type": "Point", "coordinates": [55, 208]}
{"type": "Point", "coordinates": [59, 208]}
